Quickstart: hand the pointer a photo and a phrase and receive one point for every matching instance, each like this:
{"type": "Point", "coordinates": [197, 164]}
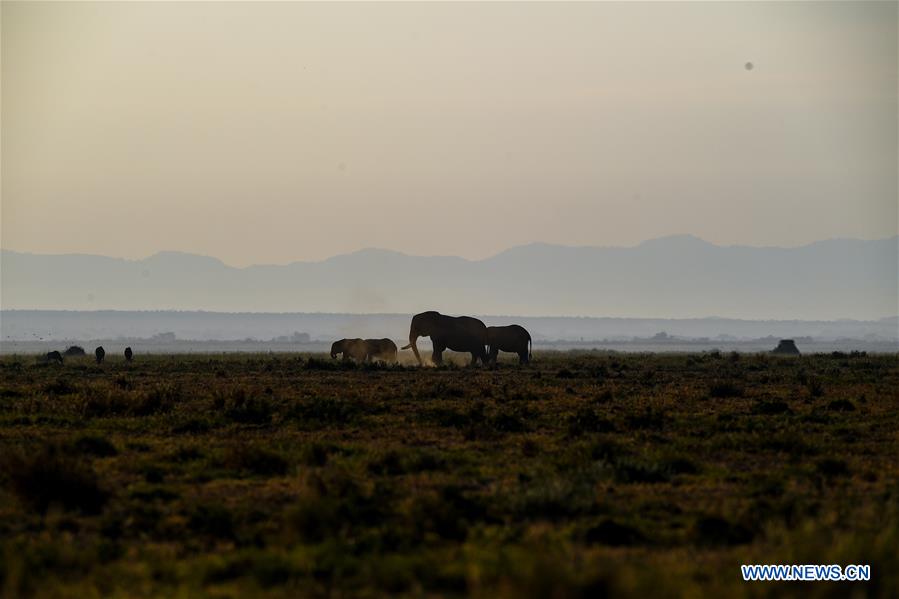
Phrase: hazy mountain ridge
{"type": "Point", "coordinates": [672, 277]}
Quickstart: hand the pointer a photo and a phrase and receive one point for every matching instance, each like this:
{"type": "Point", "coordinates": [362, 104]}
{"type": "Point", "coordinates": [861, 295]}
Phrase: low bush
{"type": "Point", "coordinates": [255, 460]}
{"type": "Point", "coordinates": [51, 476]}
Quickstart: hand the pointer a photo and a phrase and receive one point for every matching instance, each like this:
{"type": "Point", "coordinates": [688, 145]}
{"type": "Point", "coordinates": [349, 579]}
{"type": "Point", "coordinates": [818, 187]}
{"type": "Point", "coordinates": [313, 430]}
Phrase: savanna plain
{"type": "Point", "coordinates": [582, 474]}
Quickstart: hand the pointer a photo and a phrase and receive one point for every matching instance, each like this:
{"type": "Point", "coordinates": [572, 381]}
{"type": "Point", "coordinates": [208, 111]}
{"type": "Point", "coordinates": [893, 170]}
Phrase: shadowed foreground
{"type": "Point", "coordinates": [584, 473]}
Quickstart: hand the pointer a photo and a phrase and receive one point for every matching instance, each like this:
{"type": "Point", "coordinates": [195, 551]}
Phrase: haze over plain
{"type": "Point", "coordinates": [282, 132]}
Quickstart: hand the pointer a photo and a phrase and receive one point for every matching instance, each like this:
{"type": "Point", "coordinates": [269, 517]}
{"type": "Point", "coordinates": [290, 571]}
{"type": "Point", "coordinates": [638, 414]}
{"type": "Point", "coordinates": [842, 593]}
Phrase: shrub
{"type": "Point", "coordinates": [192, 426]}
{"type": "Point", "coordinates": [724, 389]}
{"type": "Point", "coordinates": [50, 476]}
{"type": "Point", "coordinates": [212, 520]}
{"type": "Point", "coordinates": [508, 422]}
{"type": "Point", "coordinates": [323, 411]}
{"type": "Point", "coordinates": [553, 499]}
{"type": "Point", "coordinates": [332, 503]}
{"type": "Point", "coordinates": [185, 453]}
{"type": "Point", "coordinates": [102, 403]}
{"type": "Point", "coordinates": [255, 460]}
{"type": "Point", "coordinates": [841, 405]}
{"type": "Point", "coordinates": [60, 387]}
{"type": "Point", "coordinates": [316, 454]}
{"type": "Point", "coordinates": [586, 420]}
{"type": "Point", "coordinates": [815, 387]}
{"type": "Point", "coordinates": [771, 408]}
{"type": "Point", "coordinates": [610, 532]}
{"type": "Point", "coordinates": [394, 463]}
{"type": "Point", "coordinates": [248, 410]}
{"type": "Point", "coordinates": [160, 399]}
{"type": "Point", "coordinates": [716, 531]}
{"type": "Point", "coordinates": [446, 512]}
{"type": "Point", "coordinates": [636, 470]}
{"type": "Point", "coordinates": [124, 383]}
{"type": "Point", "coordinates": [650, 418]}
{"type": "Point", "coordinates": [459, 419]}
{"type": "Point", "coordinates": [94, 445]}
{"type": "Point", "coordinates": [832, 467]}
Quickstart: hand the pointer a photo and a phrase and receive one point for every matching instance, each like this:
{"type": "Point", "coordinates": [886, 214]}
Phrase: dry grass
{"type": "Point", "coordinates": [582, 474]}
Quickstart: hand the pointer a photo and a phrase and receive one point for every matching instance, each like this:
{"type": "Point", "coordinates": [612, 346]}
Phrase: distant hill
{"type": "Point", "coordinates": [670, 277]}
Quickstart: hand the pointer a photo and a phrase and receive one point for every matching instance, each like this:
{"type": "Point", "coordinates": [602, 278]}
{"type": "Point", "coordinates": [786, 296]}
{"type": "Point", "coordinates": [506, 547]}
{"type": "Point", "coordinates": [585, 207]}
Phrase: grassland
{"type": "Point", "coordinates": [582, 475]}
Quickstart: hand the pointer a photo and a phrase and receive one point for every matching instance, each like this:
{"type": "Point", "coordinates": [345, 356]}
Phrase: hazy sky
{"type": "Point", "coordinates": [275, 132]}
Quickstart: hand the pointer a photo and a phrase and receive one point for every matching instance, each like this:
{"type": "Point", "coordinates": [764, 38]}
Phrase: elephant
{"type": "Point", "coordinates": [381, 349]}
{"type": "Point", "coordinates": [512, 338]}
{"type": "Point", "coordinates": [100, 354]}
{"type": "Point", "coordinates": [458, 333]}
{"type": "Point", "coordinates": [350, 348]}
{"type": "Point", "coordinates": [128, 354]}
{"type": "Point", "coordinates": [53, 357]}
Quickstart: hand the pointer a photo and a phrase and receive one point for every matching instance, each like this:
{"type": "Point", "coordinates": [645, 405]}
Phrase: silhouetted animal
{"type": "Point", "coordinates": [380, 349]}
{"type": "Point", "coordinates": [350, 348]}
{"type": "Point", "coordinates": [512, 338]}
{"type": "Point", "coordinates": [54, 356]}
{"type": "Point", "coordinates": [74, 350]}
{"type": "Point", "coordinates": [786, 347]}
{"type": "Point", "coordinates": [100, 354]}
{"type": "Point", "coordinates": [458, 333]}
{"type": "Point", "coordinates": [128, 354]}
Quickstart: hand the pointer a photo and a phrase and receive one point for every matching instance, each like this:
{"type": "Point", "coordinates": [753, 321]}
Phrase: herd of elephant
{"type": "Point", "coordinates": [458, 333]}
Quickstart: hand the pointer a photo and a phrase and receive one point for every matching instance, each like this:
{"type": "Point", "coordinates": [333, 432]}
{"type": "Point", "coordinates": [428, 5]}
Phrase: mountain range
{"type": "Point", "coordinates": [671, 277]}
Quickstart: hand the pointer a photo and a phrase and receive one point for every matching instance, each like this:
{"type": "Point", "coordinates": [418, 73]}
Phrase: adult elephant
{"type": "Point", "coordinates": [458, 333]}
{"type": "Point", "coordinates": [513, 338]}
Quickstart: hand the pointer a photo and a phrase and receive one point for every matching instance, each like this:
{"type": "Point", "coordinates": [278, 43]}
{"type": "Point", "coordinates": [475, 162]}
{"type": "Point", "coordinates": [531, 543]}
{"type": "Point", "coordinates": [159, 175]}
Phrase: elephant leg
{"type": "Point", "coordinates": [478, 354]}
{"type": "Point", "coordinates": [494, 353]}
{"type": "Point", "coordinates": [437, 354]}
{"type": "Point", "coordinates": [523, 357]}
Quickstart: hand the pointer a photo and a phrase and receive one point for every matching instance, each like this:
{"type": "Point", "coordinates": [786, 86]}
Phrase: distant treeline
{"type": "Point", "coordinates": [33, 325]}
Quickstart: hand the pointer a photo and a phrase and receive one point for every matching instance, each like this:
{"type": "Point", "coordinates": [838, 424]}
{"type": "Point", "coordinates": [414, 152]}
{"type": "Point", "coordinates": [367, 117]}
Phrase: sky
{"type": "Point", "coordinates": [276, 132]}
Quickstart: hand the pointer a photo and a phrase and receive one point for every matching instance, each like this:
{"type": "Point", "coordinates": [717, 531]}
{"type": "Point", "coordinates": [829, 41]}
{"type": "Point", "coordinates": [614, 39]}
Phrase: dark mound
{"type": "Point", "coordinates": [74, 350]}
{"type": "Point", "coordinates": [786, 347]}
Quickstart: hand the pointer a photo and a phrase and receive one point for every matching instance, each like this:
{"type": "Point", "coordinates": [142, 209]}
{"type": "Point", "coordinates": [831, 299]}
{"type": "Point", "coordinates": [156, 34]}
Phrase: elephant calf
{"type": "Point", "coordinates": [350, 348]}
{"type": "Point", "coordinates": [512, 338]}
{"type": "Point", "coordinates": [381, 349]}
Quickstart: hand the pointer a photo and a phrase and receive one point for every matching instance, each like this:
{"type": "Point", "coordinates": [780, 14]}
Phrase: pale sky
{"type": "Point", "coordinates": [268, 133]}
